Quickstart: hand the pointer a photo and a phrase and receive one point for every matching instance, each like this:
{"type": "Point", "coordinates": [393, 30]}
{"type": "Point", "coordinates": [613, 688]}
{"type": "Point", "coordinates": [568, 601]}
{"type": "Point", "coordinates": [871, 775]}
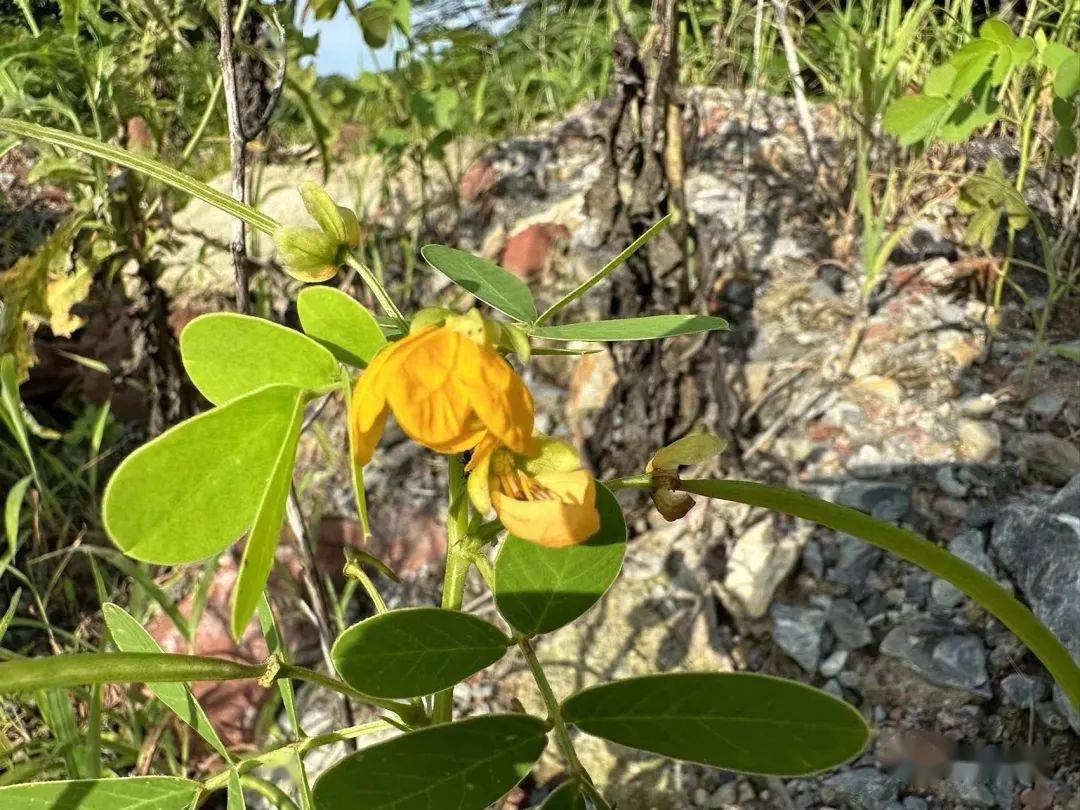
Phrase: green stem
{"type": "Point", "coordinates": [377, 289]}
{"type": "Point", "coordinates": [457, 568]}
{"type": "Point", "coordinates": [558, 724]}
{"type": "Point", "coordinates": [915, 549]}
{"type": "Point", "coordinates": [408, 712]}
{"type": "Point", "coordinates": [630, 482]}
{"type": "Point", "coordinates": [220, 780]}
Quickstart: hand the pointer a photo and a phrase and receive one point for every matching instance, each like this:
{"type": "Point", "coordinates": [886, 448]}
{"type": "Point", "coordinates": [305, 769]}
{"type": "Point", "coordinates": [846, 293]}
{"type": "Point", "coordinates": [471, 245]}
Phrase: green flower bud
{"type": "Point", "coordinates": [308, 254]}
{"type": "Point", "coordinates": [336, 221]}
{"type": "Point", "coordinates": [429, 316]}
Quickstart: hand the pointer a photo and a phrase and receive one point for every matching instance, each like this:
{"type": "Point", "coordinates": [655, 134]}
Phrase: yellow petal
{"type": "Point", "coordinates": [570, 518]}
{"type": "Point", "coordinates": [428, 395]}
{"type": "Point", "coordinates": [498, 396]}
{"type": "Point", "coordinates": [368, 408]}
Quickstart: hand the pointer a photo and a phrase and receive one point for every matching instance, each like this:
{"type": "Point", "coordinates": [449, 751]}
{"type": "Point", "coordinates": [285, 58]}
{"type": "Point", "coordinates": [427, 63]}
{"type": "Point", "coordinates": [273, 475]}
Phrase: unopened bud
{"type": "Point", "coordinates": [336, 221]}
{"type": "Point", "coordinates": [308, 254]}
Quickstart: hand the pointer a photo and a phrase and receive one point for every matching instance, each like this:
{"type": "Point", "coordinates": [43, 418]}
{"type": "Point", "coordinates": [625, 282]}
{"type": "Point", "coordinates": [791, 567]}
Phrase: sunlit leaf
{"type": "Point", "coordinates": [194, 490]}
{"type": "Point", "coordinates": [341, 324]}
{"type": "Point", "coordinates": [133, 793]}
{"type": "Point", "coordinates": [229, 355]}
{"type": "Point", "coordinates": [651, 327]}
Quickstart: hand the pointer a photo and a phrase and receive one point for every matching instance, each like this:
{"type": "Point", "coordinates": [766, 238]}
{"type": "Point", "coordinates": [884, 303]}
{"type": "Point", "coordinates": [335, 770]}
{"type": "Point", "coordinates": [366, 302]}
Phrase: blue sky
{"type": "Point", "coordinates": [342, 49]}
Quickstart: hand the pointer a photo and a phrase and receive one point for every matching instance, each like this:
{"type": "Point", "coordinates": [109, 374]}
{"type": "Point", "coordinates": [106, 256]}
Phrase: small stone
{"type": "Point", "coordinates": [947, 482]}
{"type": "Point", "coordinates": [1047, 457]}
{"type": "Point", "coordinates": [1046, 405]}
{"type": "Point", "coordinates": [979, 441]}
{"type": "Point", "coordinates": [979, 406]}
{"type": "Point", "coordinates": [945, 594]}
{"type": "Point", "coordinates": [962, 660]}
{"type": "Point", "coordinates": [761, 560]}
{"type": "Point", "coordinates": [833, 687]}
{"type": "Point", "coordinates": [812, 559]}
{"type": "Point", "coordinates": [1024, 690]}
{"type": "Point", "coordinates": [885, 501]}
{"type": "Point", "coordinates": [855, 560]}
{"type": "Point", "coordinates": [973, 793]}
{"type": "Point", "coordinates": [1067, 501]}
{"type": "Point", "coordinates": [798, 632]}
{"type": "Point", "coordinates": [1051, 716]}
{"type": "Point", "coordinates": [848, 624]}
{"type": "Point", "coordinates": [1066, 708]}
{"type": "Point", "coordinates": [877, 387]}
{"type": "Point", "coordinates": [832, 665]}
{"type": "Point", "coordinates": [867, 788]}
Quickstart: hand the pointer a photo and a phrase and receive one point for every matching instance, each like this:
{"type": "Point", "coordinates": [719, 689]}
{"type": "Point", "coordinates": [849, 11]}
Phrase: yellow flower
{"type": "Point", "coordinates": [446, 390]}
{"type": "Point", "coordinates": [545, 497]}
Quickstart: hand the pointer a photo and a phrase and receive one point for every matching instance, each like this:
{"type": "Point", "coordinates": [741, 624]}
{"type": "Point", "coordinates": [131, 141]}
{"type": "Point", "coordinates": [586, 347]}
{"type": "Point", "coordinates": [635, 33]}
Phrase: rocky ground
{"type": "Point", "coordinates": [934, 423]}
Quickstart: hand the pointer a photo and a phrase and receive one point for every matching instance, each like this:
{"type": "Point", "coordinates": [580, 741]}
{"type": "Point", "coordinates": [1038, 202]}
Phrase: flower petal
{"type": "Point", "coordinates": [568, 519]}
{"type": "Point", "coordinates": [498, 396]}
{"type": "Point", "coordinates": [367, 407]}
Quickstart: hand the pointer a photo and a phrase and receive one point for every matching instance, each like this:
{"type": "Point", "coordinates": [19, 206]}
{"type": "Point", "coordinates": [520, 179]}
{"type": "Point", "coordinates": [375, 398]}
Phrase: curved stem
{"type": "Point", "coordinates": [562, 733]}
{"type": "Point", "coordinates": [409, 713]}
{"type": "Point", "coordinates": [457, 567]}
{"type": "Point", "coordinates": [381, 295]}
{"type": "Point", "coordinates": [915, 549]}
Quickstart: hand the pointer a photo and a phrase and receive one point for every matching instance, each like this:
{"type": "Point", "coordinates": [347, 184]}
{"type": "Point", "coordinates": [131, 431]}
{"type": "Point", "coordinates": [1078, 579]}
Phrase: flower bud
{"type": "Point", "coordinates": [308, 254]}
{"type": "Point", "coordinates": [336, 221]}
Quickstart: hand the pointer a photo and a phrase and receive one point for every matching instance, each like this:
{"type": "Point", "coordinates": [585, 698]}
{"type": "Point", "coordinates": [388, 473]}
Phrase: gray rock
{"type": "Point", "coordinates": [970, 546]}
{"type": "Point", "coordinates": [866, 788]}
{"type": "Point", "coordinates": [945, 594]}
{"type": "Point", "coordinates": [848, 624]}
{"type": "Point", "coordinates": [855, 560]}
{"type": "Point", "coordinates": [883, 500]}
{"type": "Point", "coordinates": [1068, 499]}
{"type": "Point", "coordinates": [1046, 405]}
{"type": "Point", "coordinates": [972, 792]}
{"type": "Point", "coordinates": [832, 666]}
{"type": "Point", "coordinates": [915, 803]}
{"type": "Point", "coordinates": [1040, 547]}
{"type": "Point", "coordinates": [798, 632]}
{"type": "Point", "coordinates": [938, 653]}
{"type": "Point", "coordinates": [1046, 456]}
{"type": "Point", "coordinates": [1023, 690]}
{"type": "Point", "coordinates": [812, 559]}
{"type": "Point", "coordinates": [1067, 710]}
{"type": "Point", "coordinates": [948, 483]}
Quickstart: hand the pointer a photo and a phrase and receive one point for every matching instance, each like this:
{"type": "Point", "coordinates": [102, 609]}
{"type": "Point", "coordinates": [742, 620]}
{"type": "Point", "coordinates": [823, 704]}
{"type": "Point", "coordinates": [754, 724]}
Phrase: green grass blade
{"type": "Point", "coordinates": [144, 165]}
{"type": "Point", "coordinates": [915, 549]}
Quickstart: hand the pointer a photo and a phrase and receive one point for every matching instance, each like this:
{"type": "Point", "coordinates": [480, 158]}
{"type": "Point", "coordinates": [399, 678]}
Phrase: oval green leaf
{"type": "Point", "coordinates": [416, 651]}
{"type": "Point", "coordinates": [131, 637]}
{"type": "Point", "coordinates": [195, 489]}
{"type": "Point", "coordinates": [229, 355]}
{"type": "Point", "coordinates": [539, 589]}
{"type": "Point", "coordinates": [487, 281]}
{"type": "Point", "coordinates": [341, 324]}
{"type": "Point", "coordinates": [737, 721]}
{"type": "Point", "coordinates": [134, 793]}
{"type": "Point", "coordinates": [651, 327]}
{"type": "Point", "coordinates": [466, 764]}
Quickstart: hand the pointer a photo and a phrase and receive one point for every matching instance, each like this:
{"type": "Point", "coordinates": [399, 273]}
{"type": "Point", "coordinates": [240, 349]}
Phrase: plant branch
{"type": "Point", "coordinates": [237, 153]}
{"type": "Point", "coordinates": [457, 568]}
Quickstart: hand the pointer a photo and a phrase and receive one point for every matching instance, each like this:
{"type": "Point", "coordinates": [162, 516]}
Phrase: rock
{"type": "Point", "coordinates": [883, 500]}
{"type": "Point", "coordinates": [915, 803]}
{"type": "Point", "coordinates": [947, 482]}
{"type": "Point", "coordinates": [865, 788]}
{"type": "Point", "coordinates": [977, 407]}
{"type": "Point", "coordinates": [971, 791]}
{"type": "Point", "coordinates": [1067, 501]}
{"type": "Point", "coordinates": [945, 594]}
{"type": "Point", "coordinates": [1047, 457]}
{"type": "Point", "coordinates": [528, 251]}
{"type": "Point", "coordinates": [591, 382]}
{"type": "Point", "coordinates": [478, 179]}
{"type": "Point", "coordinates": [834, 664]}
{"type": "Point", "coordinates": [939, 654]}
{"type": "Point", "coordinates": [798, 632]}
{"type": "Point", "coordinates": [1040, 548]}
{"type": "Point", "coordinates": [877, 387]}
{"type": "Point", "coordinates": [1024, 690]}
{"type": "Point", "coordinates": [848, 624]}
{"type": "Point", "coordinates": [1047, 405]}
{"type": "Point", "coordinates": [979, 441]}
{"type": "Point", "coordinates": [759, 562]}
{"type": "Point", "coordinates": [970, 547]}
{"type": "Point", "coordinates": [855, 560]}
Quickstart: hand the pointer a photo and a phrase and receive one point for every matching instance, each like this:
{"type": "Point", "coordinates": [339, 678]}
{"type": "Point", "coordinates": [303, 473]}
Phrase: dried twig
{"type": "Point", "coordinates": [806, 123]}
{"type": "Point", "coordinates": [237, 153]}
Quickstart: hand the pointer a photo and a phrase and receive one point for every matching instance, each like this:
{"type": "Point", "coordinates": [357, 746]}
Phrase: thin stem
{"type": "Point", "coordinates": [630, 482]}
{"type": "Point", "coordinates": [562, 733]}
{"type": "Point", "coordinates": [377, 289]}
{"type": "Point", "coordinates": [221, 779]}
{"type": "Point", "coordinates": [408, 712]}
{"type": "Point", "coordinates": [457, 568]}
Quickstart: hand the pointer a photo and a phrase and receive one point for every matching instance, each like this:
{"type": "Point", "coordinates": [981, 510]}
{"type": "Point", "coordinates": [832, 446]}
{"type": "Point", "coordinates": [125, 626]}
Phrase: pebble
{"type": "Point", "coordinates": [945, 594]}
{"type": "Point", "coordinates": [798, 631]}
{"type": "Point", "coordinates": [979, 441]}
{"type": "Point", "coordinates": [832, 665]}
{"type": "Point", "coordinates": [867, 788]}
{"type": "Point", "coordinates": [1046, 405]}
{"type": "Point", "coordinates": [939, 654]}
{"type": "Point", "coordinates": [848, 625]}
{"type": "Point", "coordinates": [977, 406]}
{"type": "Point", "coordinates": [883, 500]}
{"type": "Point", "coordinates": [856, 559]}
{"type": "Point", "coordinates": [1024, 690]}
{"type": "Point", "coordinates": [947, 482]}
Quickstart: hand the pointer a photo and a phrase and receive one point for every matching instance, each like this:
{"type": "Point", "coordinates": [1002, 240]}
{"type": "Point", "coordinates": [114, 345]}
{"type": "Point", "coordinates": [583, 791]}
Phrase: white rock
{"type": "Point", "coordinates": [758, 564]}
